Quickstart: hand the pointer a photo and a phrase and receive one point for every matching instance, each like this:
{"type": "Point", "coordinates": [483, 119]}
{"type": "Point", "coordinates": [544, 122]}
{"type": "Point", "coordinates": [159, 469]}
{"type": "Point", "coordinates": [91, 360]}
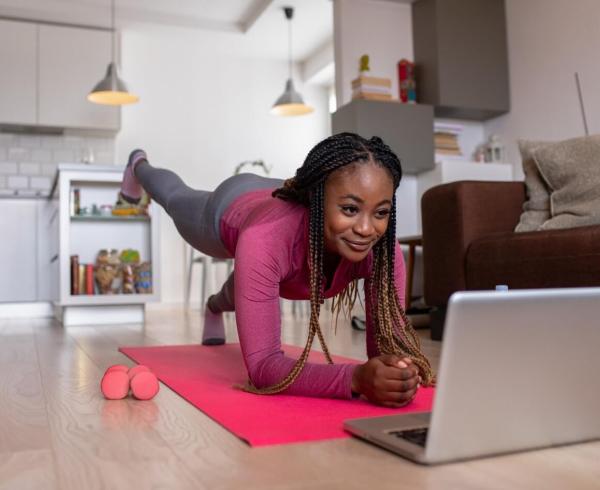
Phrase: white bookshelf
{"type": "Point", "coordinates": [86, 235]}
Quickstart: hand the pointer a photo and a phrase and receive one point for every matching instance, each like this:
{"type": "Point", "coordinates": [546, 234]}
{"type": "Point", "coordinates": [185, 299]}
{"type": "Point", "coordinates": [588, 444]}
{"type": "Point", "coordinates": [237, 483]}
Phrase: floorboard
{"type": "Point", "coordinates": [58, 431]}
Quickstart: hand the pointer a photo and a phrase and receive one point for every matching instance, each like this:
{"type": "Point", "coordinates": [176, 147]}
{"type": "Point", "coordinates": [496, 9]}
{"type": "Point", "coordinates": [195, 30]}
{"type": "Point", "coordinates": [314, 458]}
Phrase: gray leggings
{"type": "Point", "coordinates": [197, 214]}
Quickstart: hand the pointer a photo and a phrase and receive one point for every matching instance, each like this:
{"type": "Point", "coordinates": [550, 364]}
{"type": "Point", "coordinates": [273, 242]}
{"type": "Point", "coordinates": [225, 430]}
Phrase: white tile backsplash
{"type": "Point", "coordinates": [64, 156]}
{"type": "Point", "coordinates": [28, 161]}
{"type": "Point", "coordinates": [18, 182]}
{"type": "Point", "coordinates": [7, 140]}
{"type": "Point", "coordinates": [29, 168]}
{"type": "Point", "coordinates": [19, 154]}
{"type": "Point", "coordinates": [41, 183]}
{"type": "Point", "coordinates": [49, 169]}
{"type": "Point", "coordinates": [42, 155]}
{"type": "Point", "coordinates": [7, 168]}
{"type": "Point", "coordinates": [29, 141]}
{"type": "Point", "coordinates": [104, 156]}
{"type": "Point", "coordinates": [52, 142]}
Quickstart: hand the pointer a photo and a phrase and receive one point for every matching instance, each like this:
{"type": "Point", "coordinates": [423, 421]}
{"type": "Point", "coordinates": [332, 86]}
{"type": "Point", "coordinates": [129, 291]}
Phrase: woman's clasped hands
{"type": "Point", "coordinates": [387, 380]}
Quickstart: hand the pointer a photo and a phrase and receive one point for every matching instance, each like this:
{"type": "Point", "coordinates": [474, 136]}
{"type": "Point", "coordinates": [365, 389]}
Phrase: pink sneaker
{"type": "Point", "coordinates": [131, 189]}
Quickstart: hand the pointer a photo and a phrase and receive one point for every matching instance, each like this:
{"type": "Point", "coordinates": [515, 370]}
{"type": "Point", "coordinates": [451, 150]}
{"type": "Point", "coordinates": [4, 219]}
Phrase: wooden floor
{"type": "Point", "coordinates": [56, 430]}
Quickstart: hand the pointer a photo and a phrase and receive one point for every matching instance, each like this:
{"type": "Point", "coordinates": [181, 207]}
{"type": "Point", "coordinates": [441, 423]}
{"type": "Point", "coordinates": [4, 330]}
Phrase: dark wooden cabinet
{"type": "Point", "coordinates": [461, 57]}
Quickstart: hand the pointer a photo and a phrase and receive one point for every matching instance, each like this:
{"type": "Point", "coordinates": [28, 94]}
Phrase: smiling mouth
{"type": "Point", "coordinates": [358, 246]}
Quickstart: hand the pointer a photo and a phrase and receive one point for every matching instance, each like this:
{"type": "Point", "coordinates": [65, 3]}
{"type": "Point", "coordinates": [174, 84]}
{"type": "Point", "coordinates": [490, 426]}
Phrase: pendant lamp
{"type": "Point", "coordinates": [290, 103]}
{"type": "Point", "coordinates": [111, 90]}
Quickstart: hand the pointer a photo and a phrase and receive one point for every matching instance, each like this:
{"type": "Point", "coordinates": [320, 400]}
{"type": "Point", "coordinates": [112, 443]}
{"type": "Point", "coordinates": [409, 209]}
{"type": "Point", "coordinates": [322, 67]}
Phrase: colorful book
{"type": "Point", "coordinates": [74, 274]}
{"type": "Point", "coordinates": [81, 279]}
{"type": "Point", "coordinates": [89, 279]}
{"type": "Point", "coordinates": [373, 90]}
{"type": "Point", "coordinates": [371, 96]}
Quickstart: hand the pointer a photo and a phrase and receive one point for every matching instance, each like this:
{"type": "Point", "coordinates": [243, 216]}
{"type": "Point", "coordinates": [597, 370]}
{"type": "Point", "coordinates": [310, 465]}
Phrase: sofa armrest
{"type": "Point", "coordinates": [453, 216]}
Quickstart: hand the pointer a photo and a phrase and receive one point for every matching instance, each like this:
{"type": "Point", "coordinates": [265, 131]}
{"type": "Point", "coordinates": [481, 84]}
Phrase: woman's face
{"type": "Point", "coordinates": [358, 202]}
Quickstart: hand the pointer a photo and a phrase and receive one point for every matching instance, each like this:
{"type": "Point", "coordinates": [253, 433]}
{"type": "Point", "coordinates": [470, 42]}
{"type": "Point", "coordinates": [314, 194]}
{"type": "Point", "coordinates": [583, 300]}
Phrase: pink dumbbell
{"type": "Point", "coordinates": [144, 385]}
{"type": "Point", "coordinates": [140, 368]}
{"type": "Point", "coordinates": [115, 383]}
{"type": "Point", "coordinates": [118, 367]}
{"type": "Point", "coordinates": [119, 379]}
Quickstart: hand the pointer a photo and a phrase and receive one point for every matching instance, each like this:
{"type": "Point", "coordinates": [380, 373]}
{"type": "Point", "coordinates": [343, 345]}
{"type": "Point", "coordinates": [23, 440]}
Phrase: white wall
{"type": "Point", "coordinates": [381, 29]}
{"type": "Point", "coordinates": [548, 40]}
{"type": "Point", "coordinates": [406, 207]}
{"type": "Point", "coordinates": [202, 112]}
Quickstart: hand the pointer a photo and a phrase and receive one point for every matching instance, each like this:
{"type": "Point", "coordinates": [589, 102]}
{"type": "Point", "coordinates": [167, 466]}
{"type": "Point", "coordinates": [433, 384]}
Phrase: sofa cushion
{"type": "Point", "coordinates": [571, 168]}
{"type": "Point", "coordinates": [554, 258]}
{"type": "Point", "coordinates": [536, 209]}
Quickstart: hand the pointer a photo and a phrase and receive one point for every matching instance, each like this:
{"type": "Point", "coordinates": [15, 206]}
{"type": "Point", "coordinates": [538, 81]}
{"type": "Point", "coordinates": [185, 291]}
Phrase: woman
{"type": "Point", "coordinates": [311, 238]}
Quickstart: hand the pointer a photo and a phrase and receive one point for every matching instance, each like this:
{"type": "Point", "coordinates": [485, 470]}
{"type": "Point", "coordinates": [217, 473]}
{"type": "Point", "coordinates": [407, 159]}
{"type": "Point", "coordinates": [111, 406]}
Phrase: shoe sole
{"type": "Point", "coordinates": [213, 341]}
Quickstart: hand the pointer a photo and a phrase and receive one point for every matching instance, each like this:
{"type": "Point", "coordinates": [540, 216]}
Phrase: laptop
{"type": "Point", "coordinates": [519, 370]}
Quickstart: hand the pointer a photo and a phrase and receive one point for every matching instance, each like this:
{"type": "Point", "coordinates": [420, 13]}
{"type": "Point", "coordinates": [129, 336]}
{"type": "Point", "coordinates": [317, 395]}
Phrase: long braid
{"type": "Point", "coordinates": [317, 254]}
{"type": "Point", "coordinates": [393, 332]}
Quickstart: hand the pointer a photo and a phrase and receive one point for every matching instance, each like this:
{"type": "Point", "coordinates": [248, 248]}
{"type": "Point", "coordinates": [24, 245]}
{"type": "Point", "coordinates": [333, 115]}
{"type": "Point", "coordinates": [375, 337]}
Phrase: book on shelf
{"type": "Point", "coordinates": [371, 81]}
{"type": "Point", "coordinates": [446, 143]}
{"type": "Point", "coordinates": [445, 138]}
{"type": "Point", "coordinates": [447, 127]}
{"type": "Point", "coordinates": [82, 278]}
{"type": "Point", "coordinates": [89, 279]}
{"type": "Point", "coordinates": [442, 151]}
{"type": "Point", "coordinates": [371, 96]}
{"type": "Point", "coordinates": [74, 274]}
{"type": "Point", "coordinates": [81, 283]}
{"type": "Point", "coordinates": [372, 90]}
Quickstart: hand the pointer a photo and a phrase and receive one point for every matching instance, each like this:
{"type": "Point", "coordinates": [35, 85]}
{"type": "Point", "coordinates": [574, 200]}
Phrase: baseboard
{"type": "Point", "coordinates": [174, 305]}
{"type": "Point", "coordinates": [77, 315]}
{"type": "Point", "coordinates": [38, 309]}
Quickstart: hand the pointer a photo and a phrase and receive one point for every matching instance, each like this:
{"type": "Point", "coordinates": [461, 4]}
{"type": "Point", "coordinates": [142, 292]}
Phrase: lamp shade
{"type": "Point", "coordinates": [290, 103]}
{"type": "Point", "coordinates": [111, 90]}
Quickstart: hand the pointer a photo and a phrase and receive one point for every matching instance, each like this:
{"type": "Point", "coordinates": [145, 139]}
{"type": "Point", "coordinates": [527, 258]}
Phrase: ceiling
{"type": "Point", "coordinates": [259, 24]}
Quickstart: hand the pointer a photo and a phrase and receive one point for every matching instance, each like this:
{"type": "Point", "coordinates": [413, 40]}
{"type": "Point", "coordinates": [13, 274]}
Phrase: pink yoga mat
{"type": "Point", "coordinates": [205, 377]}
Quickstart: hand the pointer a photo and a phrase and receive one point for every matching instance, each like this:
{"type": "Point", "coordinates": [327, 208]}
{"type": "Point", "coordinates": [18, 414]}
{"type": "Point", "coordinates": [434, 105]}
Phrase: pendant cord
{"type": "Point", "coordinates": [290, 47]}
{"type": "Point", "coordinates": [112, 37]}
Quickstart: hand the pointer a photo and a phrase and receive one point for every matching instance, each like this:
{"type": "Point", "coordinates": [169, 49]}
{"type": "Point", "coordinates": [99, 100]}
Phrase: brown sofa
{"type": "Point", "coordinates": [469, 244]}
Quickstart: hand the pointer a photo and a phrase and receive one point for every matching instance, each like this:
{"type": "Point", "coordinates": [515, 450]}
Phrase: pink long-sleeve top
{"type": "Point", "coordinates": [269, 239]}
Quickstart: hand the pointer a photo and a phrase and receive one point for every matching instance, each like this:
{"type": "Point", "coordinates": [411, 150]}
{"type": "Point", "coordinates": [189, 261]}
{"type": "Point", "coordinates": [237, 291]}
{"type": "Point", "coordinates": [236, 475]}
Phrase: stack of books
{"type": "Point", "coordinates": [445, 139]}
{"type": "Point", "coordinates": [371, 88]}
{"type": "Point", "coordinates": [82, 277]}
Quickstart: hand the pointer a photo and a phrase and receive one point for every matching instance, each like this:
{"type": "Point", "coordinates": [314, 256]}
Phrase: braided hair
{"type": "Point", "coordinates": [393, 332]}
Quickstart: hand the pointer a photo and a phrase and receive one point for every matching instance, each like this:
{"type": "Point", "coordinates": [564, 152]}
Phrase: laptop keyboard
{"type": "Point", "coordinates": [416, 436]}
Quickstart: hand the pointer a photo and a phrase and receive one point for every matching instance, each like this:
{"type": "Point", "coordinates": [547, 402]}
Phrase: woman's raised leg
{"type": "Point", "coordinates": [187, 207]}
{"type": "Point", "coordinates": [194, 221]}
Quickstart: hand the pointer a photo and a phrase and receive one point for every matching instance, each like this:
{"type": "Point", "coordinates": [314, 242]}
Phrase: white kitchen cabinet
{"type": "Point", "coordinates": [48, 250]}
{"type": "Point", "coordinates": [46, 73]}
{"type": "Point", "coordinates": [18, 72]}
{"type": "Point", "coordinates": [72, 61]}
{"type": "Point", "coordinates": [18, 250]}
{"type": "Point", "coordinates": [28, 250]}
